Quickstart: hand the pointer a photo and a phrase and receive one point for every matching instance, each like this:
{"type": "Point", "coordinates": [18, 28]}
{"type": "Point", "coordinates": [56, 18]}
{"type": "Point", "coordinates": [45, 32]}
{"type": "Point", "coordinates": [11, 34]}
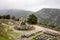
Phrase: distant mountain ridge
{"type": "Point", "coordinates": [49, 14]}
{"type": "Point", "coordinates": [17, 13]}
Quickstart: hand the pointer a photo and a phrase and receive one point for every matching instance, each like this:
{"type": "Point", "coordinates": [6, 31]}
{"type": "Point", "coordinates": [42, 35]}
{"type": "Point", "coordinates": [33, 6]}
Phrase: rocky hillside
{"type": "Point", "coordinates": [49, 14]}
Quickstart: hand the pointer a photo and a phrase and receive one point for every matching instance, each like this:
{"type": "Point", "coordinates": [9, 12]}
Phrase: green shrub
{"type": "Point", "coordinates": [32, 19]}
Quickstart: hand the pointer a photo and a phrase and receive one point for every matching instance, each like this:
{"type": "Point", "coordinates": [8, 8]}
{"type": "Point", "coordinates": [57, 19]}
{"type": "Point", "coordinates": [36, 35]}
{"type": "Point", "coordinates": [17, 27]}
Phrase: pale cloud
{"type": "Point", "coordinates": [31, 5]}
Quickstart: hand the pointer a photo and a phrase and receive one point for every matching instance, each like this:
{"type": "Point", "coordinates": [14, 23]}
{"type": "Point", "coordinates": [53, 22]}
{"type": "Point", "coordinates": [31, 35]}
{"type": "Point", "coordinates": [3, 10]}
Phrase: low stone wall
{"type": "Point", "coordinates": [30, 35]}
{"type": "Point", "coordinates": [51, 33]}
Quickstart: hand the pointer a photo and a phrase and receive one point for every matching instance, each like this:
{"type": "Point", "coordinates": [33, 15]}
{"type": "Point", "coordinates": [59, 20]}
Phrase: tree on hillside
{"type": "Point", "coordinates": [0, 16]}
{"type": "Point", "coordinates": [13, 17]}
{"type": "Point", "coordinates": [5, 16]}
{"type": "Point", "coordinates": [8, 16]}
{"type": "Point", "coordinates": [50, 24]}
{"type": "Point", "coordinates": [32, 19]}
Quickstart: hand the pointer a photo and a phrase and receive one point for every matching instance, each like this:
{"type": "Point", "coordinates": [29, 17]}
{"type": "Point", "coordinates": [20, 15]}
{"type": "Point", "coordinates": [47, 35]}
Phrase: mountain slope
{"type": "Point", "coordinates": [49, 14]}
{"type": "Point", "coordinates": [17, 13]}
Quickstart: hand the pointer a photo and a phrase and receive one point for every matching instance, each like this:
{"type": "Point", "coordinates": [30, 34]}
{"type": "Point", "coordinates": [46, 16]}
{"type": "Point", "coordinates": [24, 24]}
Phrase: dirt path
{"type": "Point", "coordinates": [46, 29]}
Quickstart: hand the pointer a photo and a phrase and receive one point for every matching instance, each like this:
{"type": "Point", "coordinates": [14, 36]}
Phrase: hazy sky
{"type": "Point", "coordinates": [31, 5]}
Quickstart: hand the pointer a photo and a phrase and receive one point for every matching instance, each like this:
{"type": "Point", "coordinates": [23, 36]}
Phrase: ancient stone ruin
{"type": "Point", "coordinates": [23, 25]}
{"type": "Point", "coordinates": [45, 37]}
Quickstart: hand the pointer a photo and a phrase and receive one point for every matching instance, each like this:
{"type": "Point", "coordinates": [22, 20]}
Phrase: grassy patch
{"type": "Point", "coordinates": [6, 38]}
{"type": "Point", "coordinates": [14, 33]}
{"type": "Point", "coordinates": [33, 39]}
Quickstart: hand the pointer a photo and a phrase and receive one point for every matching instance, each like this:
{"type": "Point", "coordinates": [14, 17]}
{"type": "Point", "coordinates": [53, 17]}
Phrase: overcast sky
{"type": "Point", "coordinates": [31, 5]}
